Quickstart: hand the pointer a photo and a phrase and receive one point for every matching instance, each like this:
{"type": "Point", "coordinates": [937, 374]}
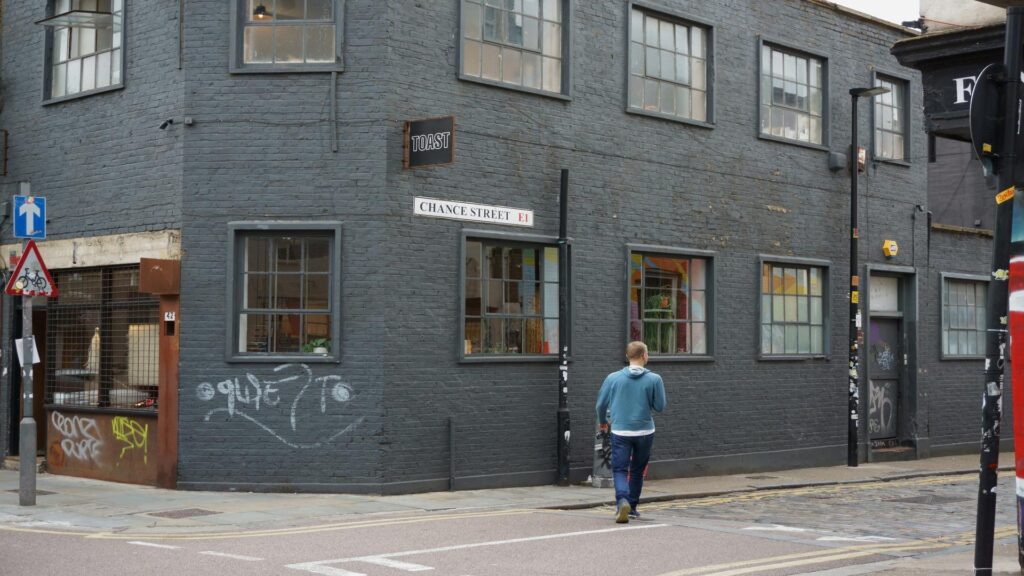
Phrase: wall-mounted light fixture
{"type": "Point", "coordinates": [260, 13]}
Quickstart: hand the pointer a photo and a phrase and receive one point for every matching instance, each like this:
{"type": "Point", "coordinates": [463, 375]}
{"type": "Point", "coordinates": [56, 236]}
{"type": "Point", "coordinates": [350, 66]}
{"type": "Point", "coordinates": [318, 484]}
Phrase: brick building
{"type": "Point", "coordinates": [344, 323]}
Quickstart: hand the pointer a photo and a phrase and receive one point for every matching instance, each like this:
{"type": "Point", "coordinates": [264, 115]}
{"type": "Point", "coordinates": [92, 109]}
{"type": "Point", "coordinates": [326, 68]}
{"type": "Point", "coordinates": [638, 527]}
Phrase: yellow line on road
{"type": "Point", "coordinates": [272, 532]}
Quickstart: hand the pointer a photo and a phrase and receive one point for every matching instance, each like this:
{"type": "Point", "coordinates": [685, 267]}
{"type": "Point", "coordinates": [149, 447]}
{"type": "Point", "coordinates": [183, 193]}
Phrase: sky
{"type": "Point", "coordinates": [892, 10]}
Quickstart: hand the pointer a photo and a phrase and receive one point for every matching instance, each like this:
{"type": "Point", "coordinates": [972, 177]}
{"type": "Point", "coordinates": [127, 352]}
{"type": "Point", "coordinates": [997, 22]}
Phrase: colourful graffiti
{"type": "Point", "coordinates": [133, 434]}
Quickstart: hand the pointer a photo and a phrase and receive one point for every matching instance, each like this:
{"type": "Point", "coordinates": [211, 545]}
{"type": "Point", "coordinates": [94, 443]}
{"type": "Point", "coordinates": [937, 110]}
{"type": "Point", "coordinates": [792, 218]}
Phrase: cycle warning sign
{"type": "Point", "coordinates": [31, 278]}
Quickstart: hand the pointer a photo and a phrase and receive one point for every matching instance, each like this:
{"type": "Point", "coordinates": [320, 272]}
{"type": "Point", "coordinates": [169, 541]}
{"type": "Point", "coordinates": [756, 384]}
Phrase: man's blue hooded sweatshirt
{"type": "Point", "coordinates": [631, 394]}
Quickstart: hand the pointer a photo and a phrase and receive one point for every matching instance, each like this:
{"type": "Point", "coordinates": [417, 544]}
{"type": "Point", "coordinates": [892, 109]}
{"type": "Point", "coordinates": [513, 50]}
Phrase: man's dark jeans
{"type": "Point", "coordinates": [630, 455]}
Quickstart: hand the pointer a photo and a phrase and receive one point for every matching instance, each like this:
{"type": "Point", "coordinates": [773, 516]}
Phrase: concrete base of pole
{"type": "Point", "coordinates": [27, 468]}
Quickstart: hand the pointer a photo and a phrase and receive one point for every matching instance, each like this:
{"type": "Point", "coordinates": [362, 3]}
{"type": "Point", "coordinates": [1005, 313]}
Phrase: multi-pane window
{"type": "Point", "coordinates": [511, 299]}
{"type": "Point", "coordinates": [668, 69]}
{"type": "Point", "coordinates": [792, 94]}
{"type": "Point", "coordinates": [963, 317]}
{"type": "Point", "coordinates": [514, 42]}
{"type": "Point", "coordinates": [285, 303]}
{"type": "Point", "coordinates": [292, 33]}
{"type": "Point", "coordinates": [668, 303]}
{"type": "Point", "coordinates": [890, 120]}
{"type": "Point", "coordinates": [102, 340]}
{"type": "Point", "coordinates": [86, 56]}
{"type": "Point", "coordinates": [792, 309]}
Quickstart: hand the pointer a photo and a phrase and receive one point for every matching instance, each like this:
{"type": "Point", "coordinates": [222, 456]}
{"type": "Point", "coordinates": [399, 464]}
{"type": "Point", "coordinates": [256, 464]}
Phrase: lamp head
{"type": "Point", "coordinates": [260, 13]}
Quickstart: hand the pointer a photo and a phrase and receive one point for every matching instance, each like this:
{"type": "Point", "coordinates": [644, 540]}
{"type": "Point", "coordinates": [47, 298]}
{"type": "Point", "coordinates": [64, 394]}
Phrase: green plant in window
{"type": "Point", "coordinates": [317, 346]}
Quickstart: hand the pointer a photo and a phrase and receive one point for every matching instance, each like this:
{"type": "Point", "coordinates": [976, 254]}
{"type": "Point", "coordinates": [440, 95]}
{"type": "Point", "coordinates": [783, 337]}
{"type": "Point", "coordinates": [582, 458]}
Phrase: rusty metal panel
{"type": "Point", "coordinates": [167, 420]}
{"type": "Point", "coordinates": [158, 276]}
{"type": "Point", "coordinates": [104, 446]}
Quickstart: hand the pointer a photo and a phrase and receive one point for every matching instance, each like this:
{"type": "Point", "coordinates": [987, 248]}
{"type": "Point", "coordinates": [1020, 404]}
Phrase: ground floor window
{"type": "Point", "coordinates": [963, 317]}
{"type": "Point", "coordinates": [668, 303]}
{"type": "Point", "coordinates": [102, 340]}
{"type": "Point", "coordinates": [792, 309]}
{"type": "Point", "coordinates": [511, 298]}
{"type": "Point", "coordinates": [286, 300]}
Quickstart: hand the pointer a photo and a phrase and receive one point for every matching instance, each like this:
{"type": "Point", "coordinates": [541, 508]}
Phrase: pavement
{"type": "Point", "coordinates": [79, 505]}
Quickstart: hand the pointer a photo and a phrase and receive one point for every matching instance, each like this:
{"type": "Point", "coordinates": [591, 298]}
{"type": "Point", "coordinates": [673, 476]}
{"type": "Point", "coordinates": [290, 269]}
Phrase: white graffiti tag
{"type": "Point", "coordinates": [881, 411]}
{"type": "Point", "coordinates": [81, 436]}
{"type": "Point", "coordinates": [252, 394]}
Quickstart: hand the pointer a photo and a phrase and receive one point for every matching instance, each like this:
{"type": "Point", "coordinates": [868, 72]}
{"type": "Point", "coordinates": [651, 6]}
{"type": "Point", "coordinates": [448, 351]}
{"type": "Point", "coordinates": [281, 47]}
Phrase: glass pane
{"type": "Point", "coordinates": [668, 65]}
{"type": "Point", "coordinates": [653, 61]}
{"type": "Point", "coordinates": [115, 67]}
{"type": "Point", "coordinates": [682, 71]}
{"type": "Point", "coordinates": [288, 254]}
{"type": "Point", "coordinates": [553, 10]}
{"type": "Point", "coordinates": [778, 339]}
{"type": "Point", "coordinates": [471, 20]}
{"type": "Point", "coordinates": [804, 340]}
{"type": "Point", "coordinates": [319, 9]}
{"type": "Point", "coordinates": [766, 339]}
{"type": "Point", "coordinates": [698, 305]}
{"type": "Point", "coordinates": [494, 336]}
{"type": "Point", "coordinates": [792, 338]}
{"type": "Point", "coordinates": [776, 70]}
{"type": "Point", "coordinates": [287, 291]}
{"type": "Point", "coordinates": [531, 33]}
{"type": "Point", "coordinates": [817, 341]}
{"type": "Point", "coordinates": [550, 345]}
{"type": "Point", "coordinates": [816, 310]}
{"type": "Point", "coordinates": [552, 40]}
{"type": "Point", "coordinates": [103, 70]}
{"type": "Point", "coordinates": [789, 281]}
{"type": "Point", "coordinates": [116, 32]}
{"type": "Point", "coordinates": [471, 345]}
{"type": "Point", "coordinates": [682, 40]}
{"type": "Point", "coordinates": [59, 88]}
{"type": "Point", "coordinates": [493, 25]}
{"type": "Point", "coordinates": [258, 45]}
{"type": "Point", "coordinates": [651, 31]}
{"type": "Point", "coordinates": [514, 28]}
{"type": "Point", "coordinates": [697, 47]}
{"type": "Point", "coordinates": [700, 105]}
{"type": "Point", "coordinates": [683, 105]}
{"type": "Point", "coordinates": [492, 62]}
{"type": "Point", "coordinates": [533, 336]}
{"type": "Point", "coordinates": [104, 39]}
{"type": "Point", "coordinates": [257, 332]}
{"type": "Point", "coordinates": [802, 313]}
{"type": "Point", "coordinates": [636, 26]}
{"type": "Point", "coordinates": [320, 44]}
{"type": "Point", "coordinates": [766, 308]}
{"type": "Point", "coordinates": [531, 8]}
{"type": "Point", "coordinates": [552, 74]}
{"type": "Point", "coordinates": [289, 10]}
{"type": "Point", "coordinates": [791, 312]}
{"type": "Point", "coordinates": [789, 67]}
{"type": "Point", "coordinates": [288, 44]}
{"type": "Point", "coordinates": [286, 335]}
{"type": "Point", "coordinates": [778, 309]}
{"type": "Point", "coordinates": [473, 303]}
{"type": "Point", "coordinates": [318, 294]}
{"type": "Point", "coordinates": [699, 76]}
{"type": "Point", "coordinates": [532, 70]}
{"type": "Point", "coordinates": [511, 66]}
{"type": "Point", "coordinates": [699, 342]}
{"type": "Point", "coordinates": [666, 37]}
{"type": "Point", "coordinates": [471, 58]}
{"type": "Point", "coordinates": [317, 330]}
{"type": "Point", "coordinates": [60, 44]}
{"type": "Point", "coordinates": [514, 336]}
{"type": "Point", "coordinates": [257, 291]}
{"type": "Point", "coordinates": [74, 82]}
{"type": "Point", "coordinates": [668, 98]}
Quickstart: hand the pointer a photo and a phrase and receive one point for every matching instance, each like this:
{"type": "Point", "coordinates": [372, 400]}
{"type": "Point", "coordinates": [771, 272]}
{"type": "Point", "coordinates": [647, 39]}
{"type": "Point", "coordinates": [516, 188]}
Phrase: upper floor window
{"type": "Point", "coordinates": [285, 291]}
{"type": "Point", "coordinates": [668, 66]}
{"type": "Point", "coordinates": [792, 95]}
{"type": "Point", "coordinates": [511, 298]}
{"type": "Point", "coordinates": [84, 48]}
{"type": "Point", "coordinates": [518, 43]}
{"type": "Point", "coordinates": [669, 308]}
{"type": "Point", "coordinates": [963, 317]}
{"type": "Point", "coordinates": [891, 126]}
{"type": "Point", "coordinates": [793, 310]}
{"type": "Point", "coordinates": [287, 35]}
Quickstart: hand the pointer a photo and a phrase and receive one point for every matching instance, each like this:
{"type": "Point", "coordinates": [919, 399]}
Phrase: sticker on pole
{"type": "Point", "coordinates": [31, 278]}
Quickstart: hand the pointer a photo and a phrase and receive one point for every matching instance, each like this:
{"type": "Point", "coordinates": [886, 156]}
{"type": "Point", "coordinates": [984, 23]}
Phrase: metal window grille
{"type": "Point", "coordinates": [102, 340]}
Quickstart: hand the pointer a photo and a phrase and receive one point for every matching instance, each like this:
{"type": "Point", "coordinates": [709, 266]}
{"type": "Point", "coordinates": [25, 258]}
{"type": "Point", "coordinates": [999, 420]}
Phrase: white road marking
{"type": "Point", "coordinates": [855, 539]}
{"type": "Point", "coordinates": [396, 564]}
{"type": "Point", "coordinates": [232, 556]}
{"type": "Point", "coordinates": [139, 543]}
{"type": "Point", "coordinates": [776, 528]}
{"type": "Point", "coordinates": [321, 566]}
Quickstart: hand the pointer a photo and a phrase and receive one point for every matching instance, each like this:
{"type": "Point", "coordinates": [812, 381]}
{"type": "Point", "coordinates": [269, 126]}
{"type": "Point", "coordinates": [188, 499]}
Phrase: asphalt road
{"type": "Point", "coordinates": [835, 530]}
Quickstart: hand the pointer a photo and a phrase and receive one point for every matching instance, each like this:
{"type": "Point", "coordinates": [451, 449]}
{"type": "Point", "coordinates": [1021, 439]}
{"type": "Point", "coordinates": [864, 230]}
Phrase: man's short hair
{"type": "Point", "coordinates": [635, 350]}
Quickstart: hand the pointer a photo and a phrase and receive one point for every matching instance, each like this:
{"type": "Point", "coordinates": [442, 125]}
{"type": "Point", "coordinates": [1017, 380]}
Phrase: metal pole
{"type": "Point", "coordinates": [563, 333]}
{"type": "Point", "coordinates": [27, 428]}
{"type": "Point", "coordinates": [853, 395]}
{"type": "Point", "coordinates": [996, 310]}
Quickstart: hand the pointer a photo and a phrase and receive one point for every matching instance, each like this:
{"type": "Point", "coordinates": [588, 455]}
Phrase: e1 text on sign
{"type": "Point", "coordinates": [29, 217]}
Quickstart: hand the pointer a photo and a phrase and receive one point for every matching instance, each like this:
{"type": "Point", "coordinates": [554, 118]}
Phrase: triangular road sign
{"type": "Point", "coordinates": [31, 278]}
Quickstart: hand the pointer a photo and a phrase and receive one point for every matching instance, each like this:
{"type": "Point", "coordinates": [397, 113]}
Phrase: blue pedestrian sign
{"type": "Point", "coordinates": [30, 217]}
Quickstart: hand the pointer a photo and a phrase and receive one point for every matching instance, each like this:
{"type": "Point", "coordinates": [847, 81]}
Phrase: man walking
{"type": "Point", "coordinates": [629, 395]}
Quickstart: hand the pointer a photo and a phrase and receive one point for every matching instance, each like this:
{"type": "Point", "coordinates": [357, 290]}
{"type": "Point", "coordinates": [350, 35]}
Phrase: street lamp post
{"type": "Point", "coordinates": [854, 368]}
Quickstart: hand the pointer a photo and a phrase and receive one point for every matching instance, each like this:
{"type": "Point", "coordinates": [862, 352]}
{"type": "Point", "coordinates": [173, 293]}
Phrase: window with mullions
{"type": "Point", "coordinates": [668, 303]}
{"type": "Point", "coordinates": [792, 310]}
{"type": "Point", "coordinates": [963, 317]}
{"type": "Point", "coordinates": [287, 35]}
{"type": "Point", "coordinates": [792, 95]}
{"type": "Point", "coordinates": [285, 301]}
{"type": "Point", "coordinates": [890, 120]}
{"type": "Point", "coordinates": [514, 42]}
{"type": "Point", "coordinates": [668, 71]}
{"type": "Point", "coordinates": [511, 299]}
{"type": "Point", "coordinates": [86, 57]}
{"type": "Point", "coordinates": [102, 340]}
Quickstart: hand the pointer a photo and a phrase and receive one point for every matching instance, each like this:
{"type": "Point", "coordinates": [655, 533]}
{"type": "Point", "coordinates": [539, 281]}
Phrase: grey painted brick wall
{"type": "Point", "coordinates": [260, 149]}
